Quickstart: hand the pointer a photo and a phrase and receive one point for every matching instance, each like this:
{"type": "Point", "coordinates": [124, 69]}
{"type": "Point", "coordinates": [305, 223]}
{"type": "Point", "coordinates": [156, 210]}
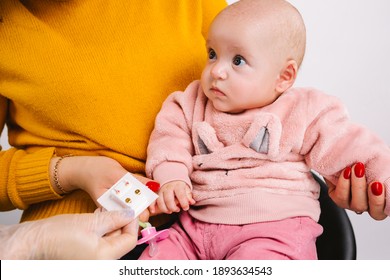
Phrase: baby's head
{"type": "Point", "coordinates": [255, 48]}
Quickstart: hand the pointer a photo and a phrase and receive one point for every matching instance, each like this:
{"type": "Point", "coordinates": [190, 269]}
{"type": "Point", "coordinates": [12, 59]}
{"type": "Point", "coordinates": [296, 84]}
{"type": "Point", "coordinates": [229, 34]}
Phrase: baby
{"type": "Point", "coordinates": [235, 150]}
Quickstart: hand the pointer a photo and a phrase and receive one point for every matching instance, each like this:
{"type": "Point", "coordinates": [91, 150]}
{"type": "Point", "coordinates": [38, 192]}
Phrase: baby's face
{"type": "Point", "coordinates": [242, 68]}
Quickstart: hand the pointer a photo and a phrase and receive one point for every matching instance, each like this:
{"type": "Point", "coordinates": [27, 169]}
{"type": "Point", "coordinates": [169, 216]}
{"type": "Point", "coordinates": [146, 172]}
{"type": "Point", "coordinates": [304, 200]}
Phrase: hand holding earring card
{"type": "Point", "coordinates": [128, 192]}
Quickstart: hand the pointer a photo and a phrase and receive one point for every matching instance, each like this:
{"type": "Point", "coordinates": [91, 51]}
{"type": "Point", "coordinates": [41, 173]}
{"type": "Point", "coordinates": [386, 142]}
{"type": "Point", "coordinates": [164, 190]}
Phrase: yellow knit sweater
{"type": "Point", "coordinates": [87, 77]}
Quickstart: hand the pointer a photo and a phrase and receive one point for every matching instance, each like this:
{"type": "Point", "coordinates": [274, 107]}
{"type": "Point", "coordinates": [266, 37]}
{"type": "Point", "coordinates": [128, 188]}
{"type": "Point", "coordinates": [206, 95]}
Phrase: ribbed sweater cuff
{"type": "Point", "coordinates": [74, 202]}
{"type": "Point", "coordinates": [32, 179]}
{"type": "Point", "coordinates": [171, 171]}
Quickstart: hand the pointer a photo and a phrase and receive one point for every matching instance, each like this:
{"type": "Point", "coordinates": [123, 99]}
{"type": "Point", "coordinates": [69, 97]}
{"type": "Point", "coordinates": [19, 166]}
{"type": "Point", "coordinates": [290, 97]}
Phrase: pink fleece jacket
{"type": "Point", "coordinates": [255, 166]}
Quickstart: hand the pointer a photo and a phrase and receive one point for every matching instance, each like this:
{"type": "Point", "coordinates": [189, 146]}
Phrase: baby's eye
{"type": "Point", "coordinates": [238, 60]}
{"type": "Point", "coordinates": [212, 54]}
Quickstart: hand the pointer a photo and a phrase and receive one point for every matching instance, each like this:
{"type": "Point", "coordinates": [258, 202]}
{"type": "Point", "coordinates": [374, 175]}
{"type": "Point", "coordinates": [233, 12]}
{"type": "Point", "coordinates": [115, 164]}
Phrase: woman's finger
{"type": "Point", "coordinates": [152, 185]}
{"type": "Point", "coordinates": [376, 200]}
{"type": "Point", "coordinates": [341, 193]}
{"type": "Point", "coordinates": [359, 198]}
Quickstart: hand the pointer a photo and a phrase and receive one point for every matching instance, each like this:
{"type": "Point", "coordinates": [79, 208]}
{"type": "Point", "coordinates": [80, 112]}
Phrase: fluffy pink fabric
{"type": "Point", "coordinates": [255, 166]}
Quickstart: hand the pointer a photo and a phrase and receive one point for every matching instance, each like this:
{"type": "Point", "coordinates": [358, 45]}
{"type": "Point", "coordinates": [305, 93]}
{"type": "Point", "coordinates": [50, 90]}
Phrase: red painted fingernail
{"type": "Point", "coordinates": [153, 186]}
{"type": "Point", "coordinates": [376, 188]}
{"type": "Point", "coordinates": [359, 170]}
{"type": "Point", "coordinates": [347, 172]}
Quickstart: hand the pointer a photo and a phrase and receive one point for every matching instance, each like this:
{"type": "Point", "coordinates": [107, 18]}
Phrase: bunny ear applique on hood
{"type": "Point", "coordinates": [205, 139]}
{"type": "Point", "coordinates": [261, 142]}
{"type": "Point", "coordinates": [263, 136]}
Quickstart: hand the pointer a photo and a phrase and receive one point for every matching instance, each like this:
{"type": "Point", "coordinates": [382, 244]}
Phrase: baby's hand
{"type": "Point", "coordinates": [173, 196]}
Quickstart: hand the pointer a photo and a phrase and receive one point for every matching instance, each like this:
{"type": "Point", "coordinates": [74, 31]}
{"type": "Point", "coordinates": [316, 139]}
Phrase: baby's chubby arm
{"type": "Point", "coordinates": [173, 196]}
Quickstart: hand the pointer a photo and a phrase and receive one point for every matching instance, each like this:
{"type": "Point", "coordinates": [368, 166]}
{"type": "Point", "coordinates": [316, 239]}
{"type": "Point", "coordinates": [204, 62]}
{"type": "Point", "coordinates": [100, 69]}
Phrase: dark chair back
{"type": "Point", "coordinates": [338, 239]}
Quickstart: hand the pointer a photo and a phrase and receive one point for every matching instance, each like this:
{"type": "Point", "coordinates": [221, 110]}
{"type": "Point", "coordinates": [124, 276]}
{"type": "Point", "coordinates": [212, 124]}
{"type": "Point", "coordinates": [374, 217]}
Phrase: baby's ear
{"type": "Point", "coordinates": [287, 76]}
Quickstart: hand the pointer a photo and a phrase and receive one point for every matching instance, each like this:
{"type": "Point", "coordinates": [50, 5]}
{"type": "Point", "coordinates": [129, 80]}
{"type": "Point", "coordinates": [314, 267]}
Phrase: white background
{"type": "Point", "coordinates": [347, 56]}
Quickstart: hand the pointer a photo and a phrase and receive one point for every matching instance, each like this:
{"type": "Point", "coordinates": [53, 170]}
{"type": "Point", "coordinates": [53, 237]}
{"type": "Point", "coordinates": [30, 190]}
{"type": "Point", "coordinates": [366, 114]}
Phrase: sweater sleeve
{"type": "Point", "coordinates": [24, 177]}
{"type": "Point", "coordinates": [171, 140]}
{"type": "Point", "coordinates": [332, 142]}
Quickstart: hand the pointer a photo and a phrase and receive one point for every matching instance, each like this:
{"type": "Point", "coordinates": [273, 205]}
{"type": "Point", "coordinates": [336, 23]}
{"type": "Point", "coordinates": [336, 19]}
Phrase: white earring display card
{"type": "Point", "coordinates": [128, 192]}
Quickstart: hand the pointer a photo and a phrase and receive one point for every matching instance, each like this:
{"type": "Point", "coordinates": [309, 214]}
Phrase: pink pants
{"type": "Point", "coordinates": [191, 239]}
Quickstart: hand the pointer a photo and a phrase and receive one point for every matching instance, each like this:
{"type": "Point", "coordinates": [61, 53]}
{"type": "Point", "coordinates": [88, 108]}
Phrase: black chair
{"type": "Point", "coordinates": [338, 239]}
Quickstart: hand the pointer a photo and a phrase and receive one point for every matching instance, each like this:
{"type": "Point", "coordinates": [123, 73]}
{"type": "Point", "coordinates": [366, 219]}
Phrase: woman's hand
{"type": "Point", "coordinates": [353, 193]}
{"type": "Point", "coordinates": [92, 174]}
{"type": "Point", "coordinates": [101, 235]}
